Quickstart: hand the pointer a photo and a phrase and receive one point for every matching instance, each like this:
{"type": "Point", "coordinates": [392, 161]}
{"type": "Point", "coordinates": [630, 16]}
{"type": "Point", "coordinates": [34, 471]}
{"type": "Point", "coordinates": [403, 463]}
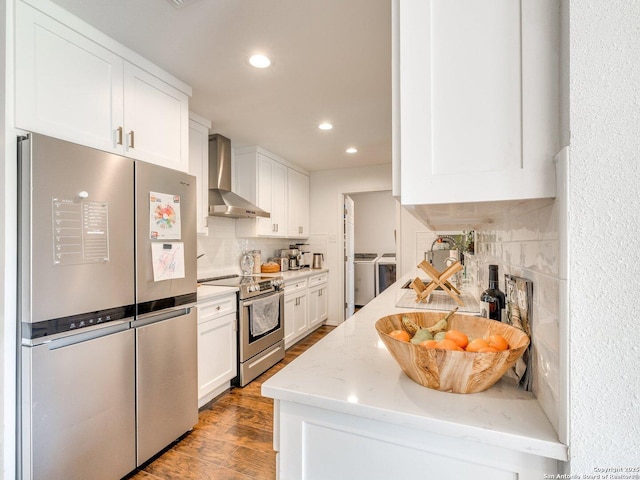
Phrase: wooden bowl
{"type": "Point", "coordinates": [451, 370]}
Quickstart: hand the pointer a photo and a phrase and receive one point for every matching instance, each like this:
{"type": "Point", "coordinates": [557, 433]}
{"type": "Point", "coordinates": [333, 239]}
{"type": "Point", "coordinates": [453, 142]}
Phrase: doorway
{"type": "Point", "coordinates": [369, 228]}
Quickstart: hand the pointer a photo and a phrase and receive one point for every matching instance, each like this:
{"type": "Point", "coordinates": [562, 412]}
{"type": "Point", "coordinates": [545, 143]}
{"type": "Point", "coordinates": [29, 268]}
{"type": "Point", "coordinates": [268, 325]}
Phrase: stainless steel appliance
{"type": "Point", "coordinates": [77, 297]}
{"type": "Point", "coordinates": [295, 258]}
{"type": "Point", "coordinates": [166, 318]}
{"type": "Point", "coordinates": [222, 201]}
{"type": "Point", "coordinates": [385, 272]}
{"type": "Point", "coordinates": [318, 258]}
{"type": "Point", "coordinates": [306, 257]}
{"type": "Point", "coordinates": [364, 277]}
{"type": "Point", "coordinates": [260, 323]}
{"type": "Point", "coordinates": [83, 364]}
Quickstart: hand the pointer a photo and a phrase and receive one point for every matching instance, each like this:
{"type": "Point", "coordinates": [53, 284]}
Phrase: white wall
{"type": "Point", "coordinates": [327, 194]}
{"type": "Point", "coordinates": [603, 226]}
{"type": "Point", "coordinates": [375, 222]}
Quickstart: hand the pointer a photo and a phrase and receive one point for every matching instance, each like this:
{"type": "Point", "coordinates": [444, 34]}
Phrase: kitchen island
{"type": "Point", "coordinates": [344, 410]}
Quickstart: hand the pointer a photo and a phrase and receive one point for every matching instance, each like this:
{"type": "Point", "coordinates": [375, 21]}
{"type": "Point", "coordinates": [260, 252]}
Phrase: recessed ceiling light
{"type": "Point", "coordinates": [259, 61]}
{"type": "Point", "coordinates": [352, 150]}
{"type": "Point", "coordinates": [325, 126]}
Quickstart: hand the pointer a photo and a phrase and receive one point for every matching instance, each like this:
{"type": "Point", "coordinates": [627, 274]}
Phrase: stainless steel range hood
{"type": "Point", "coordinates": [222, 201]}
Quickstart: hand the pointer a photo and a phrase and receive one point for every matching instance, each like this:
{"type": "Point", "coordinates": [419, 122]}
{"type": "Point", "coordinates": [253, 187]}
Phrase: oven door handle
{"type": "Point", "coordinates": [246, 303]}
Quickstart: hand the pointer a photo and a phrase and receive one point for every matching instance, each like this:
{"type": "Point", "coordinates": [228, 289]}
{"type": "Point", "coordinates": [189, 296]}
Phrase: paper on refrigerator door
{"type": "Point", "coordinates": [168, 260]}
{"type": "Point", "coordinates": [164, 216]}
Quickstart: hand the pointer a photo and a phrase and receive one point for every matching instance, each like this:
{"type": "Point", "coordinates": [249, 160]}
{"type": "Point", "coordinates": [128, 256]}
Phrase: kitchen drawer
{"type": "Point", "coordinates": [216, 307]}
{"type": "Point", "coordinates": [295, 285]}
{"type": "Point", "coordinates": [318, 279]}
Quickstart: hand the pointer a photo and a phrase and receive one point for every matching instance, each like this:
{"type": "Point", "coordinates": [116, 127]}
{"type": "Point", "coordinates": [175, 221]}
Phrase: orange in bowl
{"type": "Point", "coordinates": [498, 342]}
{"type": "Point", "coordinates": [457, 337]}
{"type": "Point", "coordinates": [476, 344]}
{"type": "Point", "coordinates": [401, 335]}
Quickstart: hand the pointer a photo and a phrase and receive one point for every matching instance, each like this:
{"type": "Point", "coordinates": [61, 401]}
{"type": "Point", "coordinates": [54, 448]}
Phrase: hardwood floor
{"type": "Point", "coordinates": [233, 439]}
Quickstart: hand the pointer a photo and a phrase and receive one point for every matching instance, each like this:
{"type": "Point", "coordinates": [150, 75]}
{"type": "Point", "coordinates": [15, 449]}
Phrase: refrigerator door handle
{"type": "Point", "coordinates": [164, 315]}
{"type": "Point", "coordinates": [118, 326]}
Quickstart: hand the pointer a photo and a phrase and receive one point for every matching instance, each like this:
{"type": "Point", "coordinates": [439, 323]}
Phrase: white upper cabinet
{"type": "Point", "coordinates": [199, 166]}
{"type": "Point", "coordinates": [298, 202]}
{"type": "Point", "coordinates": [272, 196]}
{"type": "Point", "coordinates": [67, 86]}
{"type": "Point", "coordinates": [156, 120]}
{"type": "Point", "coordinates": [266, 180]}
{"type": "Point", "coordinates": [72, 86]}
{"type": "Point", "coordinates": [476, 106]}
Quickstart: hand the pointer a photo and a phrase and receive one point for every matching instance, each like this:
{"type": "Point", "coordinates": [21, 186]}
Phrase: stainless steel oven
{"type": "Point", "coordinates": [260, 323]}
{"type": "Point", "coordinates": [259, 346]}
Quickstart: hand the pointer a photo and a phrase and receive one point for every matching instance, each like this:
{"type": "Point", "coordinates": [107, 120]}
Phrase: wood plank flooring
{"type": "Point", "coordinates": [233, 439]}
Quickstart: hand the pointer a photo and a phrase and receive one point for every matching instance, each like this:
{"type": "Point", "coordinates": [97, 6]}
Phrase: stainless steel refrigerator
{"type": "Point", "coordinates": [166, 319]}
{"type": "Point", "coordinates": [107, 320]}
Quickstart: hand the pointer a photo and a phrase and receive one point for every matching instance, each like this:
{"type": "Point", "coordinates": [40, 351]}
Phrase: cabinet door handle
{"type": "Point", "coordinates": [218, 308]}
{"type": "Point", "coordinates": [132, 143]}
{"type": "Point", "coordinates": [119, 141]}
{"type": "Point", "coordinates": [320, 292]}
{"type": "Point", "coordinates": [300, 230]}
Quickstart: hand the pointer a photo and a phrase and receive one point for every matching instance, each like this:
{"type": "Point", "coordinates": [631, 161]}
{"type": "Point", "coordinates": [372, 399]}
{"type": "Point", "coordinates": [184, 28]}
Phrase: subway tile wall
{"type": "Point", "coordinates": [222, 250]}
{"type": "Point", "coordinates": [527, 245]}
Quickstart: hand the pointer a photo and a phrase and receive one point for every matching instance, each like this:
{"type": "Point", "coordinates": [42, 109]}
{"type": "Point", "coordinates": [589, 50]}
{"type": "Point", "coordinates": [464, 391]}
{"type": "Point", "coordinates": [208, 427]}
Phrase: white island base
{"type": "Point", "coordinates": [345, 410]}
{"type": "Point", "coordinates": [314, 444]}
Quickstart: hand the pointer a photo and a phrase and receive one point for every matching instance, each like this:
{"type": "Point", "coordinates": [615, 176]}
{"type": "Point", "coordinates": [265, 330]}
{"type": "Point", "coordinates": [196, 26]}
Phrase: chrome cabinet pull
{"type": "Point", "coordinates": [132, 144]}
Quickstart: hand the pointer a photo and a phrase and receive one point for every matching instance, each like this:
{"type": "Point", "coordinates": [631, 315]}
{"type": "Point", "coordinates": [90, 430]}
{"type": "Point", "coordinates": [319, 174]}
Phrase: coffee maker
{"type": "Point", "coordinates": [295, 258]}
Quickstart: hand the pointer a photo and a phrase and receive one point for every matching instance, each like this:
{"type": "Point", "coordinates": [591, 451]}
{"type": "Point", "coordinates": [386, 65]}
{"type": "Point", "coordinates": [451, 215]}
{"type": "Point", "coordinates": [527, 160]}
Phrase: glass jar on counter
{"type": "Point", "coordinates": [257, 260]}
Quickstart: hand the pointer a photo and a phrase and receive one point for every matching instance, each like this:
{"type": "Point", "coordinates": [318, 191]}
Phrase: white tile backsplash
{"type": "Point", "coordinates": [527, 246]}
{"type": "Point", "coordinates": [222, 250]}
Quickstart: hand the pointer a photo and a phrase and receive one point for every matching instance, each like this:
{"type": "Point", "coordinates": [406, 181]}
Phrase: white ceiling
{"type": "Point", "coordinates": [331, 61]}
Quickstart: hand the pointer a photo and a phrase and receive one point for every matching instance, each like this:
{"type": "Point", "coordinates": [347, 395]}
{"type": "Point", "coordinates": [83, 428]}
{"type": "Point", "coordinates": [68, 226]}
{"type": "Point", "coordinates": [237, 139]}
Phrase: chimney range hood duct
{"type": "Point", "coordinates": [222, 201]}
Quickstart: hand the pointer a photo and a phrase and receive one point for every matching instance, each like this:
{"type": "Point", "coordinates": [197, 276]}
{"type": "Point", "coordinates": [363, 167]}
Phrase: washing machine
{"type": "Point", "coordinates": [385, 271]}
{"type": "Point", "coordinates": [364, 266]}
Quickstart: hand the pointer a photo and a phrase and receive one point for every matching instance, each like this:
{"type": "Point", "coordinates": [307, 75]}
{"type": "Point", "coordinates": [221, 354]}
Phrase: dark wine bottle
{"type": "Point", "coordinates": [492, 303]}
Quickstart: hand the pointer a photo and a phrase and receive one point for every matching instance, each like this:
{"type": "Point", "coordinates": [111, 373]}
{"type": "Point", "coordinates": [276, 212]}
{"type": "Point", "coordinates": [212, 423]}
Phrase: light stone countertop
{"type": "Point", "coordinates": [294, 274]}
{"type": "Point", "coordinates": [350, 371]}
{"type": "Point", "coordinates": [207, 292]}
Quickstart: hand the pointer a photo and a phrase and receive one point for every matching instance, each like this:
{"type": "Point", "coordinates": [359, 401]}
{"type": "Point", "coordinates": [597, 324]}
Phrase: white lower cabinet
{"type": "Point", "coordinates": [295, 311]}
{"type": "Point", "coordinates": [217, 346]}
{"type": "Point", "coordinates": [318, 300]}
{"type": "Point", "coordinates": [305, 306]}
{"type": "Point", "coordinates": [358, 447]}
